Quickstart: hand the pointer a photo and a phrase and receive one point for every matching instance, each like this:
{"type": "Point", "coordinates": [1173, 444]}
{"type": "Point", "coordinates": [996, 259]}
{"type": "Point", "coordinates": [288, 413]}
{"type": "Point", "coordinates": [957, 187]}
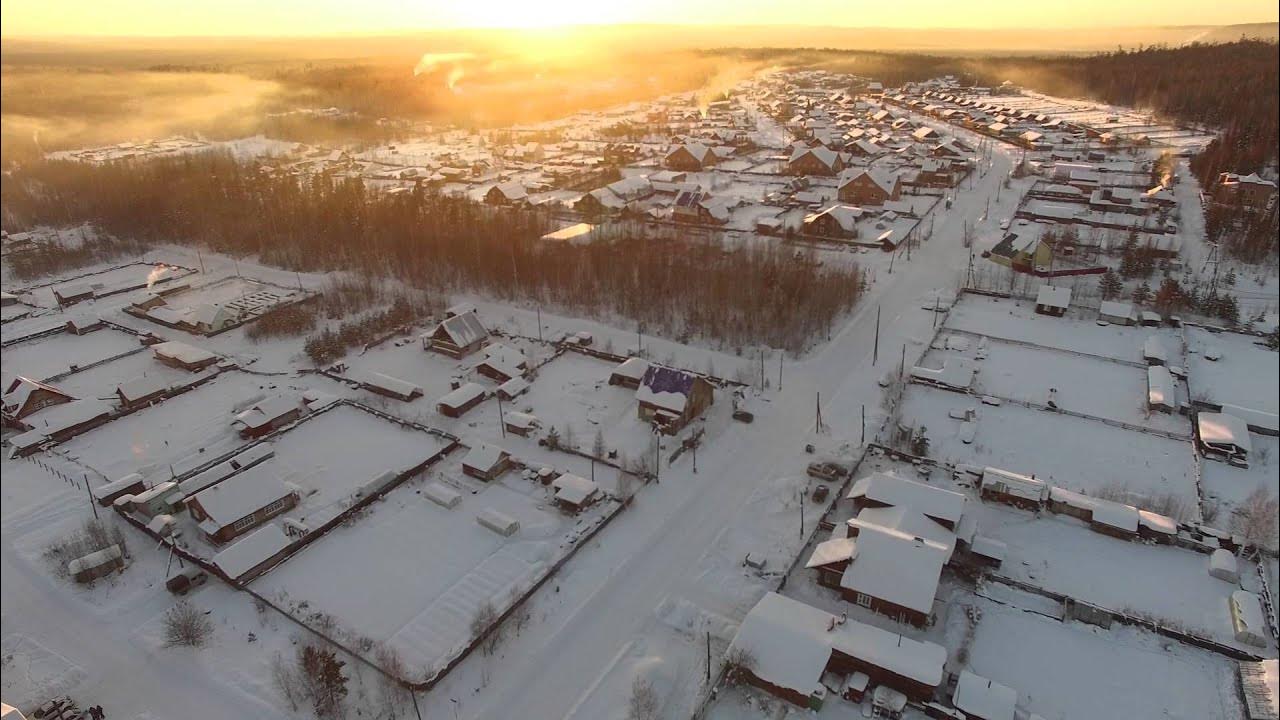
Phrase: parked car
{"type": "Point", "coordinates": [186, 580]}
{"type": "Point", "coordinates": [743, 416]}
{"type": "Point", "coordinates": [820, 493]}
{"type": "Point", "coordinates": [829, 471]}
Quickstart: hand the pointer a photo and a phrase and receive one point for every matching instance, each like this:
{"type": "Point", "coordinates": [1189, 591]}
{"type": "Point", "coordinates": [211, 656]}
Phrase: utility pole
{"type": "Point", "coordinates": [818, 407]}
{"type": "Point", "coordinates": [864, 423]}
{"type": "Point", "coordinates": [88, 492]}
{"type": "Point", "coordinates": [801, 515]}
{"type": "Point", "coordinates": [902, 365]}
{"type": "Point", "coordinates": [780, 371]}
{"type": "Point", "coordinates": [708, 657]}
{"type": "Point", "coordinates": [935, 311]}
{"type": "Point", "coordinates": [501, 423]}
{"type": "Point", "coordinates": [875, 349]}
{"type": "Point", "coordinates": [200, 257]}
{"type": "Point", "coordinates": [539, 309]}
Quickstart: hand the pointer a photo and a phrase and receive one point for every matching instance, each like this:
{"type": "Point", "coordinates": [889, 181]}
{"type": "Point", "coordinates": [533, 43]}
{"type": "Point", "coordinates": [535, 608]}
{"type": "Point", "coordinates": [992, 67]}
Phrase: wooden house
{"type": "Point", "coordinates": [267, 416]}
{"type": "Point", "coordinates": [1013, 489]}
{"type": "Point", "coordinates": [574, 493]}
{"type": "Point", "coordinates": [458, 336]}
{"type": "Point", "coordinates": [457, 402]}
{"type": "Point", "coordinates": [869, 187]}
{"type": "Point", "coordinates": [183, 356]}
{"type": "Point", "coordinates": [141, 391]}
{"type": "Point", "coordinates": [240, 503]}
{"type": "Point", "coordinates": [1053, 300]}
{"type": "Point", "coordinates": [629, 373]}
{"type": "Point", "coordinates": [818, 160]}
{"type": "Point", "coordinates": [690, 157]}
{"type": "Point", "coordinates": [24, 396]}
{"type": "Point", "coordinates": [670, 398]}
{"type": "Point", "coordinates": [486, 462]}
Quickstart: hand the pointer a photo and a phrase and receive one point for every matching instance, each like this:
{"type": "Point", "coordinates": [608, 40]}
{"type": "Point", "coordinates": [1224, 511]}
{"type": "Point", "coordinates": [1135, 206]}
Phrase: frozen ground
{"type": "Point", "coordinates": [49, 356]}
{"type": "Point", "coordinates": [1244, 374]}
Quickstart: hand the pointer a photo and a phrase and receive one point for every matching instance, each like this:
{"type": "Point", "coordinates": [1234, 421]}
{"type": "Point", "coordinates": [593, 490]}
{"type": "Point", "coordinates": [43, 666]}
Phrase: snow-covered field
{"type": "Point", "coordinates": [56, 354]}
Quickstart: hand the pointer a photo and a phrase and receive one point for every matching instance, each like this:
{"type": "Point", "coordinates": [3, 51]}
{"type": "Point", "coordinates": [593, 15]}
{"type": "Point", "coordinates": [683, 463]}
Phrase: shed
{"type": "Point", "coordinates": [254, 554]}
{"type": "Point", "coordinates": [267, 415]}
{"type": "Point", "coordinates": [499, 522]}
{"type": "Point", "coordinates": [141, 390]}
{"type": "Point", "coordinates": [519, 423]}
{"type": "Point", "coordinates": [983, 699]}
{"type": "Point", "coordinates": [96, 564]}
{"type": "Point", "coordinates": [1117, 313]}
{"type": "Point", "coordinates": [458, 402]}
{"type": "Point", "coordinates": [184, 356]}
{"type": "Point", "coordinates": [513, 388]}
{"type": "Point", "coordinates": [1161, 395]}
{"type": "Point", "coordinates": [629, 372]}
{"type": "Point", "coordinates": [1223, 434]}
{"type": "Point", "coordinates": [573, 493]}
{"type": "Point", "coordinates": [1151, 318]}
{"type": "Point", "coordinates": [1012, 488]}
{"type": "Point", "coordinates": [459, 336]}
{"type": "Point", "coordinates": [1154, 352]}
{"type": "Point", "coordinates": [486, 462]}
{"type": "Point", "coordinates": [131, 484]}
{"type": "Point", "coordinates": [1053, 300]}
{"type": "Point", "coordinates": [387, 386]}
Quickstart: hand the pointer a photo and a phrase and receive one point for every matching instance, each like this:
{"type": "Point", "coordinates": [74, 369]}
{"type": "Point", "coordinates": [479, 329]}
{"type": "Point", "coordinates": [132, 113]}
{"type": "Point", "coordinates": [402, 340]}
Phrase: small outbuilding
{"type": "Point", "coordinates": [1053, 300]}
{"type": "Point", "coordinates": [457, 402]}
{"type": "Point", "coordinates": [1223, 565]}
{"type": "Point", "coordinates": [486, 462]}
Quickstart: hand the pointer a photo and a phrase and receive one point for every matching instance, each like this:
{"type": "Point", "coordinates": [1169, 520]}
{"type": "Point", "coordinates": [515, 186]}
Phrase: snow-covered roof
{"type": "Point", "coordinates": [223, 470]}
{"type": "Point", "coordinates": [392, 385]}
{"type": "Point", "coordinates": [1160, 388]}
{"type": "Point", "coordinates": [792, 643]}
{"type": "Point", "coordinates": [97, 559]}
{"type": "Point", "coordinates": [250, 551]}
{"type": "Point", "coordinates": [1156, 522]}
{"type": "Point", "coordinates": [573, 489]}
{"type": "Point", "coordinates": [463, 329]}
{"type": "Point", "coordinates": [832, 551]}
{"type": "Point", "coordinates": [908, 521]}
{"type": "Point", "coordinates": [1113, 309]}
{"type": "Point", "coordinates": [182, 352]}
{"type": "Point", "coordinates": [241, 495]}
{"type": "Point", "coordinates": [463, 395]}
{"type": "Point", "coordinates": [666, 388]}
{"type": "Point", "coordinates": [141, 387]}
{"type": "Point", "coordinates": [20, 389]}
{"type": "Point", "coordinates": [514, 386]}
{"type": "Point", "coordinates": [57, 418]}
{"type": "Point", "coordinates": [484, 457]}
{"type": "Point", "coordinates": [889, 489]}
{"type": "Point", "coordinates": [984, 698]}
{"type": "Point", "coordinates": [1223, 561]}
{"type": "Point", "coordinates": [520, 420]}
{"type": "Point", "coordinates": [956, 372]}
{"type": "Point", "coordinates": [633, 368]}
{"type": "Point", "coordinates": [442, 495]}
{"type": "Point", "coordinates": [896, 567]}
{"type": "Point", "coordinates": [1116, 515]}
{"type": "Point", "coordinates": [844, 215]}
{"type": "Point", "coordinates": [1223, 429]}
{"type": "Point", "coordinates": [1054, 296]}
{"type": "Point", "coordinates": [1015, 484]}
{"type": "Point", "coordinates": [1153, 349]}
{"type": "Point", "coordinates": [266, 411]}
{"type": "Point", "coordinates": [885, 180]}
{"type": "Point", "coordinates": [1257, 420]}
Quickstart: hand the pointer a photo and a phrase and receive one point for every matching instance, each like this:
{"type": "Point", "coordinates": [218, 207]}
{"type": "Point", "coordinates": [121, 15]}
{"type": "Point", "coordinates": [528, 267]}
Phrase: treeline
{"type": "Point", "coordinates": [741, 297]}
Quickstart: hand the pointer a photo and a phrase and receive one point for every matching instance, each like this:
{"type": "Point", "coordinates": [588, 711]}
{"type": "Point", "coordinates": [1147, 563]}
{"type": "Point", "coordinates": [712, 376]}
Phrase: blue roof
{"type": "Point", "coordinates": [663, 379]}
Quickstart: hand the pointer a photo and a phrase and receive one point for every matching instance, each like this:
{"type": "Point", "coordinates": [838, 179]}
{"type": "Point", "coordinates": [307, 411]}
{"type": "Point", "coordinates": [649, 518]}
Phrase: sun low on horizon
{"type": "Point", "coordinates": [157, 18]}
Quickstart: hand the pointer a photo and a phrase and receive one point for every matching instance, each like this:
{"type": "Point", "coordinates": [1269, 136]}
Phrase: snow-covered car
{"type": "Point", "coordinates": [829, 471]}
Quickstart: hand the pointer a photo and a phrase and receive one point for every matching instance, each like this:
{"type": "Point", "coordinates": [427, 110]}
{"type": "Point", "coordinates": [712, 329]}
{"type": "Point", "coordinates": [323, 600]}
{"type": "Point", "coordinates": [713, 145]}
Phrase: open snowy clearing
{"type": "Point", "coordinates": [1243, 374]}
{"type": "Point", "coordinates": [1075, 453]}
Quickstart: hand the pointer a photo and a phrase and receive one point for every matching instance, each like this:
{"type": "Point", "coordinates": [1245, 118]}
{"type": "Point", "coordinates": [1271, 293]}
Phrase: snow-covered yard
{"type": "Point", "coordinates": [1062, 554]}
{"type": "Point", "coordinates": [1075, 453]}
{"type": "Point", "coordinates": [1072, 670]}
{"type": "Point", "coordinates": [414, 573]}
{"type": "Point", "coordinates": [56, 354]}
{"type": "Point", "coordinates": [1242, 373]}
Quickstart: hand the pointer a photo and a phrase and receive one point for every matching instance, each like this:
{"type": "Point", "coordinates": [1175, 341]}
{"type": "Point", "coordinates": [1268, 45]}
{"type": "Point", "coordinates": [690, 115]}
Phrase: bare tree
{"type": "Point", "coordinates": [643, 703]}
{"type": "Point", "coordinates": [288, 681]}
{"type": "Point", "coordinates": [485, 618]}
{"type": "Point", "coordinates": [186, 625]}
{"type": "Point", "coordinates": [738, 663]}
{"type": "Point", "coordinates": [1255, 519]}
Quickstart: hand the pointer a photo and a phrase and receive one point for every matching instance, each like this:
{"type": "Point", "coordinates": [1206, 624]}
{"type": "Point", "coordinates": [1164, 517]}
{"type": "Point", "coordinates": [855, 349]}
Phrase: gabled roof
{"type": "Point", "coordinates": [241, 495]}
{"type": "Point", "coordinates": [141, 387]}
{"type": "Point", "coordinates": [896, 567]}
{"type": "Point", "coordinates": [461, 330]}
{"type": "Point", "coordinates": [20, 389]}
{"type": "Point", "coordinates": [1053, 296]}
{"type": "Point", "coordinates": [883, 180]}
{"type": "Point", "coordinates": [574, 489]}
{"type": "Point", "coordinates": [887, 489]}
{"type": "Point", "coordinates": [845, 215]}
{"type": "Point", "coordinates": [666, 388]}
{"type": "Point", "coordinates": [484, 457]}
{"type": "Point", "coordinates": [266, 411]}
{"type": "Point", "coordinates": [250, 551]}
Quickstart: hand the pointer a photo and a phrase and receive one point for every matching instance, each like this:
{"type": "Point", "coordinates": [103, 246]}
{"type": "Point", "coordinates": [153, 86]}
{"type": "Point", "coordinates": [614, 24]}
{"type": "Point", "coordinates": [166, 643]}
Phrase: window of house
{"type": "Point", "coordinates": [243, 523]}
{"type": "Point", "coordinates": [273, 507]}
{"type": "Point", "coordinates": [864, 600]}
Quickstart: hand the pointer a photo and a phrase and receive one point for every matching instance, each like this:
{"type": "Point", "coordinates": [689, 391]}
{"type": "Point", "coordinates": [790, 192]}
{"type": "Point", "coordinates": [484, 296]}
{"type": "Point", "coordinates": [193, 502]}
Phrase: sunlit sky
{"type": "Point", "coordinates": [323, 17]}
